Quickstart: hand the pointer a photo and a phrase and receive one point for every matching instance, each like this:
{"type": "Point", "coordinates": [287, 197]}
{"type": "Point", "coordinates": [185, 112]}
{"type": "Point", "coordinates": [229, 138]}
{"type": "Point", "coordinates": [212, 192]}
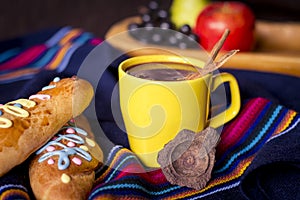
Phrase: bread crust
{"type": "Point", "coordinates": [27, 124]}
{"type": "Point", "coordinates": [50, 180]}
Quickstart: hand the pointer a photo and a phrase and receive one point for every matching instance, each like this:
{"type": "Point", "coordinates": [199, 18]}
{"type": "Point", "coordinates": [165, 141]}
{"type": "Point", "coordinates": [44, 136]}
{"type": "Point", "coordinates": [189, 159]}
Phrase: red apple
{"type": "Point", "coordinates": [218, 16]}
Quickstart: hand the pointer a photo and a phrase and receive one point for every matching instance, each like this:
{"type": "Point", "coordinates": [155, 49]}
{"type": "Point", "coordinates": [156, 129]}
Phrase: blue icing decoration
{"type": "Point", "coordinates": [48, 87]}
{"type": "Point", "coordinates": [18, 105]}
{"type": "Point", "coordinates": [65, 152]}
{"type": "Point", "coordinates": [80, 131]}
{"type": "Point", "coordinates": [56, 79]}
{"type": "Point", "coordinates": [71, 137]}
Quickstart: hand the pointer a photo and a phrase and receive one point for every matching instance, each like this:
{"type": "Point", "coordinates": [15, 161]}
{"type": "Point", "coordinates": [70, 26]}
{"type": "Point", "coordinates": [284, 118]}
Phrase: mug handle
{"type": "Point", "coordinates": [235, 105]}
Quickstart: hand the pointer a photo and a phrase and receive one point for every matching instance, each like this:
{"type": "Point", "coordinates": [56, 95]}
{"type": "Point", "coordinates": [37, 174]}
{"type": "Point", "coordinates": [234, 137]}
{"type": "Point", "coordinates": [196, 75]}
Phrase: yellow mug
{"type": "Point", "coordinates": [154, 111]}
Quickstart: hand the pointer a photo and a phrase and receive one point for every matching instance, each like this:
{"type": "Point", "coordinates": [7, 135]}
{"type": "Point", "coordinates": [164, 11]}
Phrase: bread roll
{"type": "Point", "coordinates": [65, 167]}
{"type": "Point", "coordinates": [27, 124]}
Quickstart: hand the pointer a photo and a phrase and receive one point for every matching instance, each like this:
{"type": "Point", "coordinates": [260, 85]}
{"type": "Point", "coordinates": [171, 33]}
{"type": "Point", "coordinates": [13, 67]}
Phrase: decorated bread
{"type": "Point", "coordinates": [27, 124]}
{"type": "Point", "coordinates": [64, 168]}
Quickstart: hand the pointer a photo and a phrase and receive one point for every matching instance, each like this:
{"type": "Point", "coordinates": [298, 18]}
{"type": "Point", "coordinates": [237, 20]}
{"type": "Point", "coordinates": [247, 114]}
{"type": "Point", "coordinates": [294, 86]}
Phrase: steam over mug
{"type": "Point", "coordinates": [154, 111]}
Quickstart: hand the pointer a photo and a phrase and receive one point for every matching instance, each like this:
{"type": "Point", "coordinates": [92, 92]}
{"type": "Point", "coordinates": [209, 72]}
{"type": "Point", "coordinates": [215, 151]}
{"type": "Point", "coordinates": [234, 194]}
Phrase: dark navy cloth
{"type": "Point", "coordinates": [263, 182]}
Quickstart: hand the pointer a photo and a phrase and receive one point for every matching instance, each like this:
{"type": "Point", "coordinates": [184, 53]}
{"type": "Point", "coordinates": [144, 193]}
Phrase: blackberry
{"type": "Point", "coordinates": [157, 28]}
{"type": "Point", "coordinates": [166, 25]}
{"type": "Point", "coordinates": [163, 14]}
{"type": "Point", "coordinates": [194, 37]}
{"type": "Point", "coordinates": [185, 29]}
{"type": "Point", "coordinates": [133, 26]}
{"type": "Point", "coordinates": [153, 5]}
{"type": "Point", "coordinates": [146, 17]}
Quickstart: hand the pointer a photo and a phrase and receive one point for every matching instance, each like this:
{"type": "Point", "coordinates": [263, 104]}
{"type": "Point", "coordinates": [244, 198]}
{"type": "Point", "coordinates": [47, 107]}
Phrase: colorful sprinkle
{"type": "Point", "coordinates": [50, 161]}
{"type": "Point", "coordinates": [83, 147]}
{"type": "Point", "coordinates": [1, 113]}
{"type": "Point", "coordinates": [71, 144]}
{"type": "Point", "coordinates": [77, 161]}
{"type": "Point", "coordinates": [70, 130]}
{"type": "Point", "coordinates": [50, 148]}
{"type": "Point", "coordinates": [90, 142]}
{"type": "Point", "coordinates": [65, 178]}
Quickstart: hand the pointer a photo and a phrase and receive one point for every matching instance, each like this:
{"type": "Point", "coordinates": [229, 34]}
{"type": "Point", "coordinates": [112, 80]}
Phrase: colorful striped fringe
{"type": "Point", "coordinates": [54, 54]}
{"type": "Point", "coordinates": [258, 122]}
{"type": "Point", "coordinates": [12, 191]}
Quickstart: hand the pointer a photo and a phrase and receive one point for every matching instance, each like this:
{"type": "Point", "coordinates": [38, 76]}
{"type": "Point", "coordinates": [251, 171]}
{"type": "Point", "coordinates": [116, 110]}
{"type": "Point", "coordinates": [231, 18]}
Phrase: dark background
{"type": "Point", "coordinates": [19, 17]}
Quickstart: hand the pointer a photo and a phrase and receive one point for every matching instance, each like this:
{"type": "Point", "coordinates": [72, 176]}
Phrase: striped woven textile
{"type": "Point", "coordinates": [259, 125]}
{"type": "Point", "coordinates": [259, 122]}
{"type": "Point", "coordinates": [53, 54]}
{"type": "Point", "coordinates": [12, 192]}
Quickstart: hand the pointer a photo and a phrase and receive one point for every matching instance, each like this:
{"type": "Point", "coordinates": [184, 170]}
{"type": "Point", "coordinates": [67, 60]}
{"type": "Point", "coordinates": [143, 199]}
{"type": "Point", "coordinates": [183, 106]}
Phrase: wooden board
{"type": "Point", "coordinates": [278, 48]}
